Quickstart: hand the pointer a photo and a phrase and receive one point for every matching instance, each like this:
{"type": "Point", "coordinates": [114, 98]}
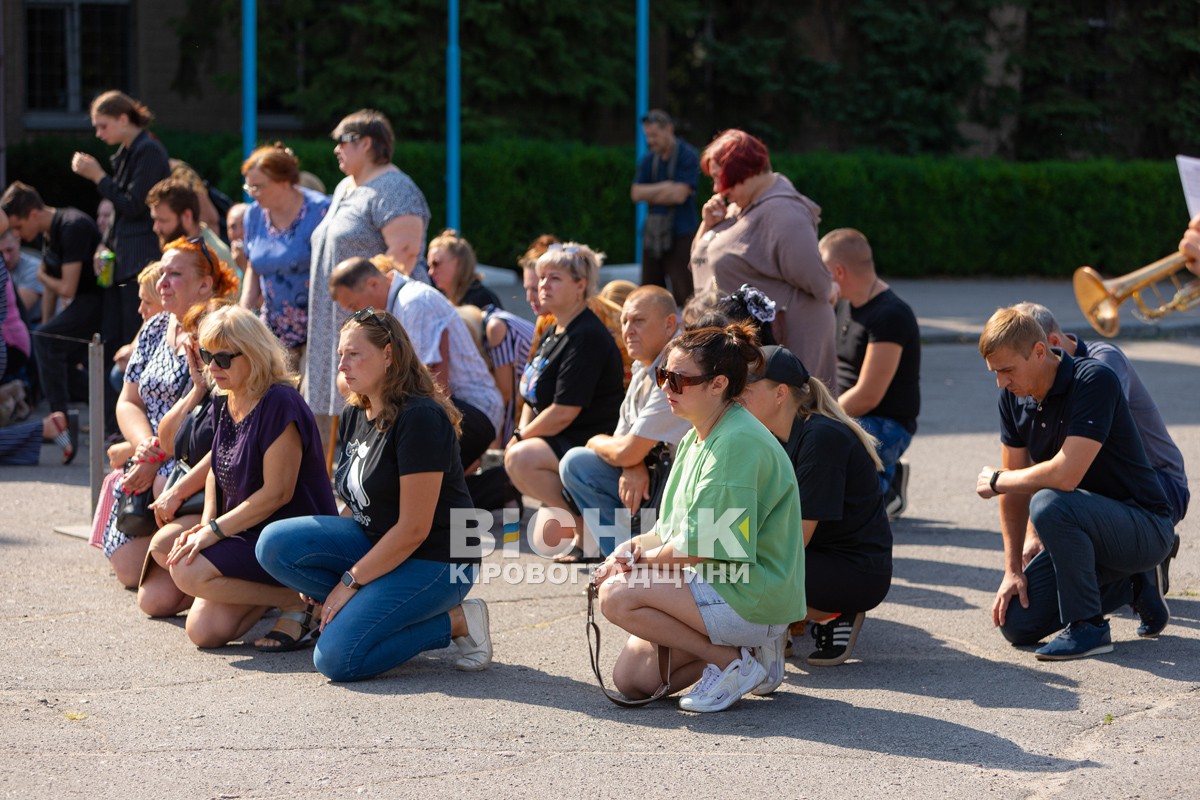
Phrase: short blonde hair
{"type": "Point", "coordinates": [1012, 329]}
{"type": "Point", "coordinates": [577, 260]}
{"type": "Point", "coordinates": [148, 278]}
{"type": "Point", "coordinates": [239, 330]}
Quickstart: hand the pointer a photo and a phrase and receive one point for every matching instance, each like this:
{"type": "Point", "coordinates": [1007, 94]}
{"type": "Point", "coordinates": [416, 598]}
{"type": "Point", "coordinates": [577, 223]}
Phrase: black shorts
{"type": "Point", "coordinates": [839, 584]}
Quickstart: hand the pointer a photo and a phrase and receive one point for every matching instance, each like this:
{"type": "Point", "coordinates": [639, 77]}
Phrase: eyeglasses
{"type": "Point", "coordinates": [656, 118]}
{"type": "Point", "coordinates": [204, 251]}
{"type": "Point", "coordinates": [251, 189]}
{"type": "Point", "coordinates": [368, 314]}
{"type": "Point", "coordinates": [569, 249]}
{"type": "Point", "coordinates": [676, 381]}
{"type": "Point", "coordinates": [347, 138]}
{"type": "Point", "coordinates": [222, 360]}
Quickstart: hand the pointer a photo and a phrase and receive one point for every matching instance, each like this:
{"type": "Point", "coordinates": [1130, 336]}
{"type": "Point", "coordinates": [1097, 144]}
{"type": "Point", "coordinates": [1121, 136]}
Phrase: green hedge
{"type": "Point", "coordinates": [925, 216]}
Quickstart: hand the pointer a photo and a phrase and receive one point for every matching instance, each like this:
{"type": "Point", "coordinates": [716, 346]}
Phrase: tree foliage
{"type": "Point", "coordinates": [1039, 80]}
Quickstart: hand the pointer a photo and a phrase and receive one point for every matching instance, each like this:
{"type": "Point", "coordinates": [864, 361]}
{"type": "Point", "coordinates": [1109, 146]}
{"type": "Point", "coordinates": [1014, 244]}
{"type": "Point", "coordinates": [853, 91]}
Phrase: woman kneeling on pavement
{"type": "Point", "coordinates": [267, 464]}
{"type": "Point", "coordinates": [384, 575]}
{"type": "Point", "coordinates": [722, 574]}
{"type": "Point", "coordinates": [847, 537]}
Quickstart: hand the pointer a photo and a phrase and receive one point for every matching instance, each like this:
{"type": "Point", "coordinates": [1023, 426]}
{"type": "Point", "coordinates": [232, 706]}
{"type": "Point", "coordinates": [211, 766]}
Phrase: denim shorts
{"type": "Point", "coordinates": [725, 626]}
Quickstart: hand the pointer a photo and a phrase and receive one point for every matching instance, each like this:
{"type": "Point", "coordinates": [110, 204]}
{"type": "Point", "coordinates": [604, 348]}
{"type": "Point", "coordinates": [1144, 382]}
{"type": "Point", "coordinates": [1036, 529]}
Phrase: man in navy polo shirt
{"type": "Point", "coordinates": [1073, 468]}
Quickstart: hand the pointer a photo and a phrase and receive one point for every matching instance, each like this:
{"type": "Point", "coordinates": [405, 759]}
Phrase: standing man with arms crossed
{"type": "Point", "coordinates": [879, 357]}
{"type": "Point", "coordinates": [1073, 467]}
{"type": "Point", "coordinates": [666, 179]}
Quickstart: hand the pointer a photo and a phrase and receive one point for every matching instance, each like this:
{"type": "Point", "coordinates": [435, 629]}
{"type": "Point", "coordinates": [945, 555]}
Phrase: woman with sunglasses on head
{"type": "Point", "coordinates": [375, 209]}
{"type": "Point", "coordinates": [385, 576]}
{"type": "Point", "coordinates": [573, 384]}
{"type": "Point", "coordinates": [847, 536]}
{"type": "Point", "coordinates": [266, 466]}
{"type": "Point", "coordinates": [721, 575]}
{"type": "Point", "coordinates": [277, 229]}
{"type": "Point", "coordinates": [156, 376]}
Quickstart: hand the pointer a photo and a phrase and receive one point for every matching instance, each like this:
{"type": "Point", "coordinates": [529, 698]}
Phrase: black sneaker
{"type": "Point", "coordinates": [898, 491]}
{"type": "Point", "coordinates": [1166, 565]}
{"type": "Point", "coordinates": [835, 639]}
{"type": "Point", "coordinates": [1149, 603]}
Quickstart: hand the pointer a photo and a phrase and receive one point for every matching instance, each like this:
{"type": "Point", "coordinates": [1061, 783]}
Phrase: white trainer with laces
{"type": "Point", "coordinates": [718, 689]}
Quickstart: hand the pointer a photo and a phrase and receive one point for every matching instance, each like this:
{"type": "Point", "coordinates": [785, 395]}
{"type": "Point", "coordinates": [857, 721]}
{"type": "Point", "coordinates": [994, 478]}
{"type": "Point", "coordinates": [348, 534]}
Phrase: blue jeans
{"type": "Point", "coordinates": [388, 621]}
{"type": "Point", "coordinates": [1093, 545]}
{"type": "Point", "coordinates": [592, 484]}
{"type": "Point", "coordinates": [894, 439]}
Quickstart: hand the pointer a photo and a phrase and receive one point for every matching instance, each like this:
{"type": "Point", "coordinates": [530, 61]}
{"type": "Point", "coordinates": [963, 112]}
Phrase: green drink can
{"type": "Point", "coordinates": [108, 260]}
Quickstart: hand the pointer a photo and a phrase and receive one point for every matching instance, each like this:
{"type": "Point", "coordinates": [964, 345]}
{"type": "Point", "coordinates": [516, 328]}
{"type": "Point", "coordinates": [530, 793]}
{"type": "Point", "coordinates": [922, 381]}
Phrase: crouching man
{"type": "Point", "coordinates": [1072, 467]}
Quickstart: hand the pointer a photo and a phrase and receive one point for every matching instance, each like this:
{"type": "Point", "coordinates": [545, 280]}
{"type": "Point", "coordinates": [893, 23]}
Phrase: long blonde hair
{"type": "Point", "coordinates": [815, 398]}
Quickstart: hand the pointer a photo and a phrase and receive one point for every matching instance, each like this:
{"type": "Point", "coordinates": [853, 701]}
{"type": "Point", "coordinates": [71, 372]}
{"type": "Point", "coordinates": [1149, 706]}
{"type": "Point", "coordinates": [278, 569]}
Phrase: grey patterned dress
{"type": "Point", "coordinates": [351, 228]}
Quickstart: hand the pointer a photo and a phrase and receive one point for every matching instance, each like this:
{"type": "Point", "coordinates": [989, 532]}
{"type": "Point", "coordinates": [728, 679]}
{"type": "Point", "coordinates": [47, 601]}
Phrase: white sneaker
{"type": "Point", "coordinates": [770, 655]}
{"type": "Point", "coordinates": [719, 689]}
{"type": "Point", "coordinates": [476, 647]}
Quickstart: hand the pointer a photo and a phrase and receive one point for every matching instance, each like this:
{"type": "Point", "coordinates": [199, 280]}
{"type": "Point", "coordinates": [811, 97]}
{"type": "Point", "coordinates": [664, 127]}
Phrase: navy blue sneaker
{"type": "Point", "coordinates": [1077, 640]}
{"type": "Point", "coordinates": [1149, 603]}
{"type": "Point", "coordinates": [1166, 566]}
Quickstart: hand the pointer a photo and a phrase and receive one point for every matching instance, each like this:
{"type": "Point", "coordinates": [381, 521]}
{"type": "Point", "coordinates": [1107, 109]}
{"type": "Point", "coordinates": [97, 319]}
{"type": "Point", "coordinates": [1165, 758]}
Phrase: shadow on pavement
{"type": "Point", "coordinates": [939, 533]}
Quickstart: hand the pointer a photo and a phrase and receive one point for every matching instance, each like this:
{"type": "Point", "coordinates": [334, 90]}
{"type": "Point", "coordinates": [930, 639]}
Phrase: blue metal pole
{"type": "Point", "coordinates": [453, 135]}
{"type": "Point", "coordinates": [249, 76]}
{"type": "Point", "coordinates": [643, 105]}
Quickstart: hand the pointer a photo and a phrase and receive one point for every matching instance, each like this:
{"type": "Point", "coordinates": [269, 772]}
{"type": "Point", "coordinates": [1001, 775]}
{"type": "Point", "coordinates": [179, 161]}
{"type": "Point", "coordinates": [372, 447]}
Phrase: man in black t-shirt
{"type": "Point", "coordinates": [879, 357]}
{"type": "Point", "coordinates": [69, 237]}
{"type": "Point", "coordinates": [1072, 467]}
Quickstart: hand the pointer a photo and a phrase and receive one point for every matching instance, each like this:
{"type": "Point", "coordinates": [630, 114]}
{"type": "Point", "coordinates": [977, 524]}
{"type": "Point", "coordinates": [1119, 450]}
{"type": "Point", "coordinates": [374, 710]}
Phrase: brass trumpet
{"type": "Point", "coordinates": [1100, 299]}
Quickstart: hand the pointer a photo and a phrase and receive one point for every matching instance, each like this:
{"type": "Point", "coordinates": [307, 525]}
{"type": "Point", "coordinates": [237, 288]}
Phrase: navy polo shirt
{"type": "Point", "coordinates": [1086, 400]}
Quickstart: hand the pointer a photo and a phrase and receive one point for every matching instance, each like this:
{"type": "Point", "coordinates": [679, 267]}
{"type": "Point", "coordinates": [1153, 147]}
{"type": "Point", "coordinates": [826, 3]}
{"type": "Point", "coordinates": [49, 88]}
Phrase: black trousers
{"type": "Point", "coordinates": [61, 343]}
{"type": "Point", "coordinates": [672, 266]}
{"type": "Point", "coordinates": [477, 432]}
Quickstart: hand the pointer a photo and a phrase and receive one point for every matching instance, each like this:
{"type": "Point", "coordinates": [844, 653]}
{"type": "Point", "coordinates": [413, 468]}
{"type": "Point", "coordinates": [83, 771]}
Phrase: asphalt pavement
{"type": "Point", "coordinates": [100, 702]}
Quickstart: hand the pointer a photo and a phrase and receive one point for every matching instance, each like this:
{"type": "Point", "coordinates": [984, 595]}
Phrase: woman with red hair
{"type": "Point", "coordinates": [156, 377]}
{"type": "Point", "coordinates": [758, 230]}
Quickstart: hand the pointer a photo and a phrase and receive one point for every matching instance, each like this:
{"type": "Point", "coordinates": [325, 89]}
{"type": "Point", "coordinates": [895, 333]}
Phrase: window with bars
{"type": "Point", "coordinates": [76, 49]}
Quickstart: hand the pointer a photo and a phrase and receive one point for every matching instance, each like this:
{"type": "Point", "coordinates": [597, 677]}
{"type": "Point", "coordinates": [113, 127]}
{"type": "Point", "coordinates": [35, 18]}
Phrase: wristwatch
{"type": "Point", "coordinates": [349, 582]}
{"type": "Point", "coordinates": [992, 482]}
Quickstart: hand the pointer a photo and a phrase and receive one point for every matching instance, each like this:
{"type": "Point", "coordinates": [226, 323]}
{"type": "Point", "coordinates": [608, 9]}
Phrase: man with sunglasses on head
{"type": "Point", "coordinates": [175, 209]}
{"type": "Point", "coordinates": [69, 238]}
{"type": "Point", "coordinates": [666, 179]}
{"type": "Point", "coordinates": [439, 337]}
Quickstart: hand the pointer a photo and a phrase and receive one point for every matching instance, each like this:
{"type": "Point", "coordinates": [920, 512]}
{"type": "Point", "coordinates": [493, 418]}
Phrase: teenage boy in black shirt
{"type": "Point", "coordinates": [69, 238]}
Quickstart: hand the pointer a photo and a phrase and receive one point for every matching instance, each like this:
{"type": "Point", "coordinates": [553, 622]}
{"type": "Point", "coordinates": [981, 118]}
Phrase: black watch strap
{"type": "Point", "coordinates": [349, 582]}
{"type": "Point", "coordinates": [992, 482]}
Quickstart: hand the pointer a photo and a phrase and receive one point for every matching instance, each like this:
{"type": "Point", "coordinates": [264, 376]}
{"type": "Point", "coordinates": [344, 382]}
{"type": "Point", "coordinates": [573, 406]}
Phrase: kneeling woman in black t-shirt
{"type": "Point", "coordinates": [847, 537]}
{"type": "Point", "coordinates": [384, 575]}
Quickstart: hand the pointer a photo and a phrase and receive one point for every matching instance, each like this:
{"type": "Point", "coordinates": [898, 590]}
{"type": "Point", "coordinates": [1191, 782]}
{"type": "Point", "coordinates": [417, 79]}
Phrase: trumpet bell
{"type": "Point", "coordinates": [1096, 302]}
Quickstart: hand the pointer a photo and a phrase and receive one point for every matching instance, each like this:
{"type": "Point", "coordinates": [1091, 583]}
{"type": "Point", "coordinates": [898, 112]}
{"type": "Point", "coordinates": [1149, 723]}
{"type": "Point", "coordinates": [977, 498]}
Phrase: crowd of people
{"type": "Point", "coordinates": [305, 390]}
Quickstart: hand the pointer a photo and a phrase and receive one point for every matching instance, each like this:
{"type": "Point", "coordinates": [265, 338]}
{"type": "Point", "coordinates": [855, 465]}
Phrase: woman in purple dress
{"type": "Point", "coordinates": [266, 466]}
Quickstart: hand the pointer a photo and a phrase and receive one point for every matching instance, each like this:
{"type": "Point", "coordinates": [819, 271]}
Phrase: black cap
{"type": "Point", "coordinates": [783, 366]}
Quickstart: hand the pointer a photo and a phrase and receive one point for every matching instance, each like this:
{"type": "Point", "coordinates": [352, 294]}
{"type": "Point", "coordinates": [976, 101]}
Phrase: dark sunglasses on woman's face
{"type": "Point", "coordinates": [676, 381]}
{"type": "Point", "coordinates": [222, 360]}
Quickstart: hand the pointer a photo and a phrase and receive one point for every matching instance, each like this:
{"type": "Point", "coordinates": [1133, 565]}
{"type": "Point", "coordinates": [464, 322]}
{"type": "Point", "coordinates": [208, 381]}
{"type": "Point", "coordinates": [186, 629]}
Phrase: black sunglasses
{"type": "Point", "coordinates": [676, 381]}
{"type": "Point", "coordinates": [208, 256]}
{"type": "Point", "coordinates": [223, 360]}
{"type": "Point", "coordinates": [347, 138]}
